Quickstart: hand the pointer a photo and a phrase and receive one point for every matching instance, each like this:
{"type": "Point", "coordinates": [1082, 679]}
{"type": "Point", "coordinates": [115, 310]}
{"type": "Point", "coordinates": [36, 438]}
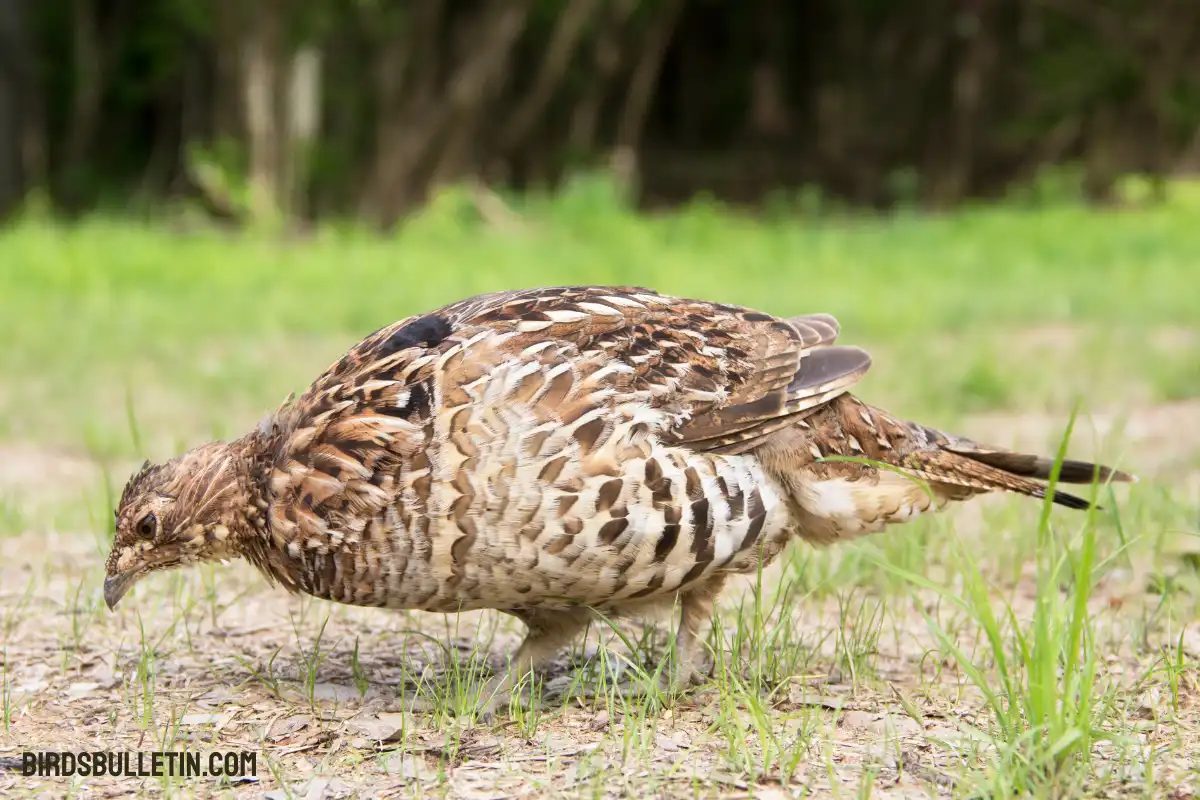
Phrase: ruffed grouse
{"type": "Point", "coordinates": [551, 451]}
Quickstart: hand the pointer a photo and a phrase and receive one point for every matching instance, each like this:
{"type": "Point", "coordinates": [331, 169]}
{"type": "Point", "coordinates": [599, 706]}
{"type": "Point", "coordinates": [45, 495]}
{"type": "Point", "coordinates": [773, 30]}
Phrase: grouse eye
{"type": "Point", "coordinates": [147, 526]}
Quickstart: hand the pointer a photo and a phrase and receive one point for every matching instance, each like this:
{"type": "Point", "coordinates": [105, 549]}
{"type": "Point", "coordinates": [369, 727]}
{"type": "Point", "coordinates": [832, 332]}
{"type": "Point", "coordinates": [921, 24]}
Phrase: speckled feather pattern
{"type": "Point", "coordinates": [591, 445]}
{"type": "Point", "coordinates": [542, 451]}
{"type": "Point", "coordinates": [534, 450]}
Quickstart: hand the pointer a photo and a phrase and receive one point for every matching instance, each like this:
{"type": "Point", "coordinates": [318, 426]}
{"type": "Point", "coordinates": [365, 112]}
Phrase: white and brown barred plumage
{"type": "Point", "coordinates": [547, 451]}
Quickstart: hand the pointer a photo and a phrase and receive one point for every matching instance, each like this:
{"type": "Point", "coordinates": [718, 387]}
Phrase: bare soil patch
{"type": "Point", "coordinates": [183, 667]}
{"type": "Point", "coordinates": [27, 469]}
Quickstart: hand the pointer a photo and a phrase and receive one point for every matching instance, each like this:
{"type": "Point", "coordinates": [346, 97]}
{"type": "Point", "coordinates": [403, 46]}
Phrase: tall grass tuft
{"type": "Point", "coordinates": [1044, 694]}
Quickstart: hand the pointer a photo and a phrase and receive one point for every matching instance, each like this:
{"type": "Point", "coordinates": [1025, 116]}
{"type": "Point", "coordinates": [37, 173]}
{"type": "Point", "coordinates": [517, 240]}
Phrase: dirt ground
{"type": "Point", "coordinates": [240, 668]}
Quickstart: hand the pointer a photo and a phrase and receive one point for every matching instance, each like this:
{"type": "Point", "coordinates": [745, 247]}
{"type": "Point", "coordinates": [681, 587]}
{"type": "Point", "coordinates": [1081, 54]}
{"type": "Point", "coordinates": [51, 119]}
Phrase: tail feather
{"type": "Point", "coordinates": [1032, 466]}
{"type": "Point", "coordinates": [847, 469]}
{"type": "Point", "coordinates": [965, 463]}
{"type": "Point", "coordinates": [958, 471]}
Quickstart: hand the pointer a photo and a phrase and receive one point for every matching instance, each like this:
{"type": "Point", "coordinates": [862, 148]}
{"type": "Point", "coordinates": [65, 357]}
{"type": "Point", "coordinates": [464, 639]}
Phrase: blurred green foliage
{"type": "Point", "coordinates": [987, 308]}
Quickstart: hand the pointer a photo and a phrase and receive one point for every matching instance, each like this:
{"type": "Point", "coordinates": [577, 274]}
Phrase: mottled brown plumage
{"type": "Point", "coordinates": [547, 451]}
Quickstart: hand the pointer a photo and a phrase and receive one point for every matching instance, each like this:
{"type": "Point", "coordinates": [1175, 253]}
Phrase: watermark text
{"type": "Point", "coordinates": [139, 764]}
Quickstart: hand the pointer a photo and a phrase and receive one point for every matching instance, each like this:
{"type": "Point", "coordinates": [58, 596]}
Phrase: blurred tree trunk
{"type": "Point", "coordinates": [89, 72]}
{"type": "Point", "coordinates": [691, 91]}
{"type": "Point", "coordinates": [266, 61]}
{"type": "Point", "coordinates": [640, 93]}
{"type": "Point", "coordinates": [769, 117]}
{"type": "Point", "coordinates": [606, 62]}
{"type": "Point", "coordinates": [834, 106]}
{"type": "Point", "coordinates": [1189, 161]}
{"type": "Point", "coordinates": [1168, 38]}
{"type": "Point", "coordinates": [406, 75]}
{"type": "Point", "coordinates": [96, 38]}
{"type": "Point", "coordinates": [865, 101]}
{"type": "Point", "coordinates": [551, 73]}
{"type": "Point", "coordinates": [417, 106]}
{"type": "Point", "coordinates": [1101, 167]}
{"type": "Point", "coordinates": [282, 102]}
{"type": "Point", "coordinates": [228, 101]}
{"type": "Point", "coordinates": [174, 127]}
{"type": "Point", "coordinates": [301, 104]}
{"type": "Point", "coordinates": [952, 174]}
{"type": "Point", "coordinates": [460, 152]}
{"type": "Point", "coordinates": [15, 80]}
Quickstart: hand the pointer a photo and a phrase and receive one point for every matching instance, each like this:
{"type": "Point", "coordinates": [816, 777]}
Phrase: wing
{"type": "Point", "coordinates": [727, 376]}
{"type": "Point", "coordinates": [733, 374]}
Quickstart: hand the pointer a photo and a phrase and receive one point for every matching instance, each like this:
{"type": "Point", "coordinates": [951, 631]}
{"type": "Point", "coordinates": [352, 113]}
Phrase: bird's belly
{"type": "Point", "coordinates": [610, 527]}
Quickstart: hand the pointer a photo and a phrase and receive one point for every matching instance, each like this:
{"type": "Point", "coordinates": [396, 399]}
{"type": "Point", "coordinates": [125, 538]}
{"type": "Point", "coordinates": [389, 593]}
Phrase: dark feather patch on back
{"type": "Point", "coordinates": [427, 331]}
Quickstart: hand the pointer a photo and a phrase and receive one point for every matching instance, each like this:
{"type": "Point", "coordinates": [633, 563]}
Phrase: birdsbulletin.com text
{"type": "Point", "coordinates": [140, 764]}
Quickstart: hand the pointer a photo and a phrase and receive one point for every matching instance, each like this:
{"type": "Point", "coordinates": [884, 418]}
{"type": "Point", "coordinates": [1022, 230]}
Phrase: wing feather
{"type": "Point", "coordinates": [731, 376]}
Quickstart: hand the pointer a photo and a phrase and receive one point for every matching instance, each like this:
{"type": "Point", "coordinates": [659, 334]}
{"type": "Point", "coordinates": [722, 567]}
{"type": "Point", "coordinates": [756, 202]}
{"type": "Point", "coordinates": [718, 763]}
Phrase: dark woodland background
{"type": "Point", "coordinates": [336, 108]}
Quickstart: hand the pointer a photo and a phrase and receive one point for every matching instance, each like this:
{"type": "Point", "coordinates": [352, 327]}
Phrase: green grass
{"type": "Point", "coordinates": [1046, 709]}
{"type": "Point", "coordinates": [6, 704]}
{"type": "Point", "coordinates": [1008, 648]}
{"type": "Point", "coordinates": [12, 520]}
{"type": "Point", "coordinates": [109, 319]}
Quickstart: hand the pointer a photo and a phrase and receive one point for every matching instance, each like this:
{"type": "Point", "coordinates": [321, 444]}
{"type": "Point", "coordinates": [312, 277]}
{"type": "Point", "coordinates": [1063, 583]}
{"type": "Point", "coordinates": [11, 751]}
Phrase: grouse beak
{"type": "Point", "coordinates": [115, 587]}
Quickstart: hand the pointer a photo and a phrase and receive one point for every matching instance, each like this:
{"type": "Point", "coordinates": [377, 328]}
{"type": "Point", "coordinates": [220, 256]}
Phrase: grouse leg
{"type": "Point", "coordinates": [696, 607]}
{"type": "Point", "coordinates": [548, 632]}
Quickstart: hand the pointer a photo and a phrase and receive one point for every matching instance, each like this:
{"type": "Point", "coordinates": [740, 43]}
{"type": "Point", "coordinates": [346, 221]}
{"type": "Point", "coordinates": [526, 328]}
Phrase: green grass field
{"type": "Point", "coordinates": [996, 649]}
